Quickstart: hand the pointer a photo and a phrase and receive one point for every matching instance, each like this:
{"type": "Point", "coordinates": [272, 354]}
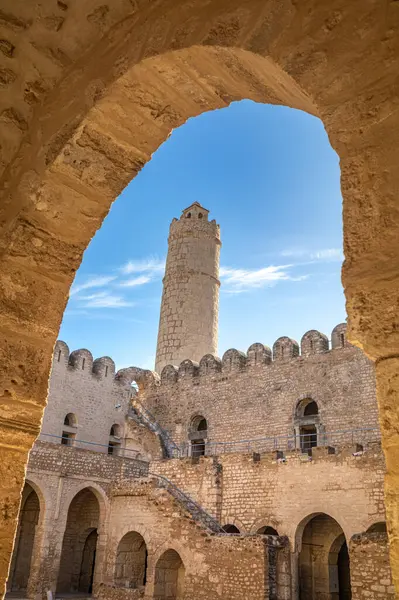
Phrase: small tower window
{"type": "Point", "coordinates": [189, 215]}
{"type": "Point", "coordinates": [106, 371]}
{"type": "Point", "coordinates": [69, 430]}
{"type": "Point", "coordinates": [114, 442]}
{"type": "Point", "coordinates": [200, 215]}
{"type": "Point", "coordinates": [198, 435]}
{"type": "Point", "coordinates": [342, 338]}
{"type": "Point", "coordinates": [83, 363]}
{"type": "Point", "coordinates": [59, 356]}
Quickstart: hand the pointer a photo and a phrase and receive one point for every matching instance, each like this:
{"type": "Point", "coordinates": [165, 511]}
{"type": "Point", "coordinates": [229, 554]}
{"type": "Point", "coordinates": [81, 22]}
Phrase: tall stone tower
{"type": "Point", "coordinates": [188, 324]}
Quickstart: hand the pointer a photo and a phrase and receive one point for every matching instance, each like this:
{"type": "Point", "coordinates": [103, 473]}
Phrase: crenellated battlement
{"type": "Point", "coordinates": [285, 349]}
{"type": "Point", "coordinates": [102, 368]}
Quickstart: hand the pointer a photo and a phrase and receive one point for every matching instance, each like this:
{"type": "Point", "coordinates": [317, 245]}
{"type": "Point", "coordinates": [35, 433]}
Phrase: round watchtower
{"type": "Point", "coordinates": [188, 324]}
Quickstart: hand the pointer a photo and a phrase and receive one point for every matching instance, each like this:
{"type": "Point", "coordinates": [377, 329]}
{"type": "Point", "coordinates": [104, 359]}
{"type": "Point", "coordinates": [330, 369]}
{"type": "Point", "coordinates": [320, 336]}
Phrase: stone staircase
{"type": "Point", "coordinates": [196, 511]}
{"type": "Point", "coordinates": [139, 413]}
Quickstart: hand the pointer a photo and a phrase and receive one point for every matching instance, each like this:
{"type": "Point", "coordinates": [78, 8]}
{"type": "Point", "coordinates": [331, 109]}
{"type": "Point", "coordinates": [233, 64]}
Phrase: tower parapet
{"type": "Point", "coordinates": [188, 324]}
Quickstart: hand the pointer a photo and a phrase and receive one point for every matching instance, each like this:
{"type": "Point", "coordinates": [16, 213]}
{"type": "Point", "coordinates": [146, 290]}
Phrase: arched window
{"type": "Point", "coordinates": [230, 528]}
{"type": "Point", "coordinates": [267, 530]}
{"type": "Point", "coordinates": [114, 442]}
{"type": "Point", "coordinates": [311, 409]}
{"type": "Point", "coordinates": [380, 527]}
{"type": "Point", "coordinates": [69, 429]}
{"type": "Point", "coordinates": [306, 424]}
{"type": "Point", "coordinates": [198, 434]}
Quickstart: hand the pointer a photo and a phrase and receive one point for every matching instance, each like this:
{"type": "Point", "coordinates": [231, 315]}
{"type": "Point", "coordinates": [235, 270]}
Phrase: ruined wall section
{"type": "Point", "coordinates": [215, 566]}
{"type": "Point", "coordinates": [253, 395]}
{"type": "Point", "coordinates": [370, 571]}
{"type": "Point", "coordinates": [188, 324]}
{"type": "Point", "coordinates": [257, 491]}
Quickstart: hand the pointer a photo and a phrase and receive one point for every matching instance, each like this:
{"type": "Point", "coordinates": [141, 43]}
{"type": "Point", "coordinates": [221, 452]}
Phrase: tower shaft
{"type": "Point", "coordinates": [188, 325]}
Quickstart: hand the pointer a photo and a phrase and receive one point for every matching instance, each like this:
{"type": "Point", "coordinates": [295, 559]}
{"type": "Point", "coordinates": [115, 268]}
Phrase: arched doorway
{"type": "Point", "coordinates": [324, 572]}
{"type": "Point", "coordinates": [78, 555]}
{"type": "Point", "coordinates": [169, 577]}
{"type": "Point", "coordinates": [131, 561]}
{"type": "Point", "coordinates": [24, 541]}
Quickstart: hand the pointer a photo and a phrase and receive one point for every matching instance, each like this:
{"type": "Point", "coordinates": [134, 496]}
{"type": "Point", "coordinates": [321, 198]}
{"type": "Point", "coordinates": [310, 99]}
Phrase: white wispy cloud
{"type": "Point", "coordinates": [104, 300]}
{"type": "Point", "coordinates": [241, 280]}
{"type": "Point", "coordinates": [134, 281]}
{"type": "Point", "coordinates": [92, 282]}
{"type": "Point", "coordinates": [324, 254]}
{"type": "Point", "coordinates": [148, 265]}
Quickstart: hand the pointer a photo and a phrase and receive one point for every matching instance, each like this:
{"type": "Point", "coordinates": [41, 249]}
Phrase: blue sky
{"type": "Point", "coordinates": [271, 180]}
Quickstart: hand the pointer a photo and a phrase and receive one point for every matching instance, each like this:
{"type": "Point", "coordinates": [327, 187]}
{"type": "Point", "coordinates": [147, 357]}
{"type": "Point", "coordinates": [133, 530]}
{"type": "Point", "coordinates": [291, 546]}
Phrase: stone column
{"type": "Point", "coordinates": [370, 184]}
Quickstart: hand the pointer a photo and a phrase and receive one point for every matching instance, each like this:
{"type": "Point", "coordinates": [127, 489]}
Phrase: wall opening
{"type": "Point", "coordinates": [114, 441]}
{"type": "Point", "coordinates": [324, 572]}
{"type": "Point", "coordinates": [267, 530]}
{"type": "Point", "coordinates": [169, 577]}
{"type": "Point", "coordinates": [78, 555]}
{"type": "Point", "coordinates": [198, 434]}
{"type": "Point", "coordinates": [308, 435]}
{"type": "Point", "coordinates": [86, 574]}
{"type": "Point", "coordinates": [24, 541]}
{"type": "Point", "coordinates": [230, 528]}
{"type": "Point", "coordinates": [131, 561]}
{"type": "Point", "coordinates": [69, 429]}
{"type": "Point", "coordinates": [380, 527]}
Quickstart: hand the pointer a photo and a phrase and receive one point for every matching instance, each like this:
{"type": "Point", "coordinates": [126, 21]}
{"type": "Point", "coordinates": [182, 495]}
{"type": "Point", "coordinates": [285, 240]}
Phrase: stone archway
{"type": "Point", "coordinates": [24, 542]}
{"type": "Point", "coordinates": [324, 572]}
{"type": "Point", "coordinates": [131, 561]}
{"type": "Point", "coordinates": [79, 545]}
{"type": "Point", "coordinates": [91, 90]}
{"type": "Point", "coordinates": [169, 577]}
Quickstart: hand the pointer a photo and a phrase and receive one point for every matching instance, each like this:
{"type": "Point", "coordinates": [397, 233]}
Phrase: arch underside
{"type": "Point", "coordinates": [89, 97]}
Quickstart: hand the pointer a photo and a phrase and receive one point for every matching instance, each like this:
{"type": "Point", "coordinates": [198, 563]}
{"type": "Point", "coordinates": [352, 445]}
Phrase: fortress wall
{"type": "Point", "coordinates": [201, 480]}
{"type": "Point", "coordinates": [215, 566]}
{"type": "Point", "coordinates": [89, 390]}
{"type": "Point", "coordinates": [57, 473]}
{"type": "Point", "coordinates": [77, 462]}
{"type": "Point", "coordinates": [280, 494]}
{"type": "Point", "coordinates": [242, 399]}
{"type": "Point", "coordinates": [369, 562]}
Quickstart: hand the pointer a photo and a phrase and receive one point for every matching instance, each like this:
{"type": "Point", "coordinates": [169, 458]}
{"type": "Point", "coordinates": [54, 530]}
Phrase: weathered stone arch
{"type": "Point", "coordinates": [68, 150]}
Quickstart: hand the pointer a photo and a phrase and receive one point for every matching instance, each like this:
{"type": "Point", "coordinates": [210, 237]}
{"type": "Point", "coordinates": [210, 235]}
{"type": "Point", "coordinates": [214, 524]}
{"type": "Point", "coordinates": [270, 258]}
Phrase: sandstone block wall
{"type": "Point", "coordinates": [243, 397]}
{"type": "Point", "coordinates": [370, 570]}
{"type": "Point", "coordinates": [215, 566]}
{"type": "Point", "coordinates": [89, 390]}
{"type": "Point", "coordinates": [280, 494]}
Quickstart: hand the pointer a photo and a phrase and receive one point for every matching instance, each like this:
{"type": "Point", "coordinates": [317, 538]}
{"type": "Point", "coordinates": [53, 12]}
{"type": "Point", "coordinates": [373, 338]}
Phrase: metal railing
{"type": "Point", "coordinates": [195, 509]}
{"type": "Point", "coordinates": [69, 442]}
{"type": "Point", "coordinates": [284, 443]}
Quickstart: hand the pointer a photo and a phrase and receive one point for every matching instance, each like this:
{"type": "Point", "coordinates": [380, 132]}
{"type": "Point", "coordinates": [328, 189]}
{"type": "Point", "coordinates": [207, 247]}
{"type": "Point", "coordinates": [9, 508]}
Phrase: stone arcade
{"type": "Point", "coordinates": [258, 475]}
